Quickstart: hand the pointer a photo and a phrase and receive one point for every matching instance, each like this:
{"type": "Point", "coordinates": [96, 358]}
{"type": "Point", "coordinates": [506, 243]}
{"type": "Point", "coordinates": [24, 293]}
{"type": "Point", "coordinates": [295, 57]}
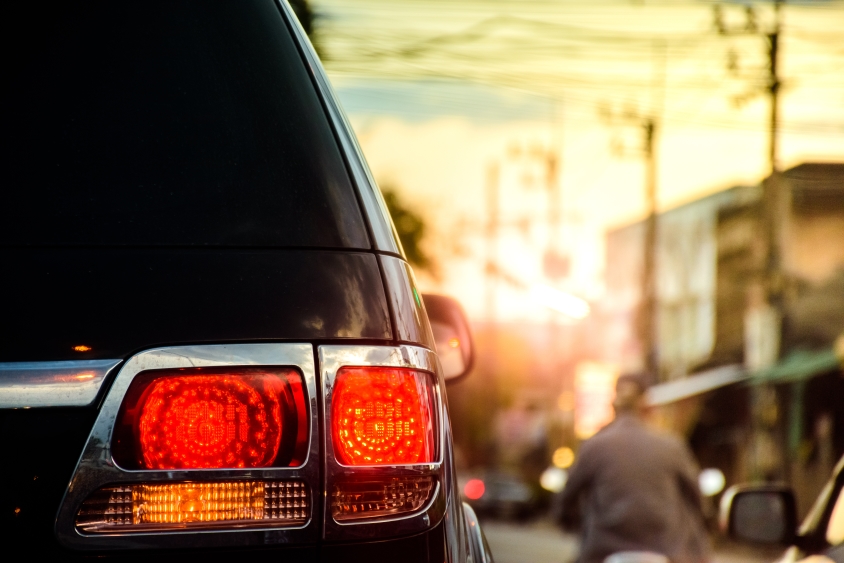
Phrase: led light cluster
{"type": "Point", "coordinates": [145, 507]}
{"type": "Point", "coordinates": [355, 500]}
{"type": "Point", "coordinates": [209, 421]}
{"type": "Point", "coordinates": [382, 416]}
{"type": "Point", "coordinates": [198, 502]}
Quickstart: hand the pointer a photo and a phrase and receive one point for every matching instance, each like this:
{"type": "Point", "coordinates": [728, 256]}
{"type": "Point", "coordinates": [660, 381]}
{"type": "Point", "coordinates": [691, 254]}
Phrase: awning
{"type": "Point", "coordinates": [799, 365]}
{"type": "Point", "coordinates": [679, 389]}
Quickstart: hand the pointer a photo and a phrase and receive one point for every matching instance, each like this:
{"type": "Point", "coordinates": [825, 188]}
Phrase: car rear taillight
{"type": "Point", "coordinates": [200, 445]}
{"type": "Point", "coordinates": [212, 418]}
{"type": "Point", "coordinates": [383, 427]}
{"type": "Point", "coordinates": [382, 416]}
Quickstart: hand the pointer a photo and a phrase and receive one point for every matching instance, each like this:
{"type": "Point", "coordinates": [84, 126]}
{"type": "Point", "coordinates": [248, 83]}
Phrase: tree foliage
{"type": "Point", "coordinates": [410, 227]}
{"type": "Point", "coordinates": [309, 20]}
{"type": "Point", "coordinates": [303, 11]}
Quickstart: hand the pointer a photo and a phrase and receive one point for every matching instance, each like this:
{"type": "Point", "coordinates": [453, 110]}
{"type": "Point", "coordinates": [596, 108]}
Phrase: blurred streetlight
{"type": "Point", "coordinates": [553, 479]}
{"type": "Point", "coordinates": [711, 482]}
{"type": "Point", "coordinates": [563, 457]}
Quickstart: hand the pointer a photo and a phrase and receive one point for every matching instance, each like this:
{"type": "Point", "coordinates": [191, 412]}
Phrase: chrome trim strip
{"type": "Point", "coordinates": [96, 468]}
{"type": "Point", "coordinates": [479, 547]}
{"type": "Point", "coordinates": [26, 385]}
{"type": "Point", "coordinates": [331, 359]}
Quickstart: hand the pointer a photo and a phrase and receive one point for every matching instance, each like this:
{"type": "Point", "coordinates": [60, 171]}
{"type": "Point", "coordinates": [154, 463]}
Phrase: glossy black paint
{"type": "Point", "coordinates": [426, 547]}
{"type": "Point", "coordinates": [411, 320]}
{"type": "Point", "coordinates": [421, 548]}
{"type": "Point", "coordinates": [167, 123]}
{"type": "Point", "coordinates": [39, 449]}
{"type": "Point", "coordinates": [118, 301]}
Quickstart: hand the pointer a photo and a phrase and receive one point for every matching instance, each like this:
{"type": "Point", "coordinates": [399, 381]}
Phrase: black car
{"type": "Point", "coordinates": [766, 515]}
{"type": "Point", "coordinates": [211, 338]}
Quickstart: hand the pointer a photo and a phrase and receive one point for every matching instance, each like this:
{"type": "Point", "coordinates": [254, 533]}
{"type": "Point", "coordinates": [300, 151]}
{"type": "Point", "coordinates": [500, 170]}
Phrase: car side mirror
{"type": "Point", "coordinates": [452, 335]}
{"type": "Point", "coordinates": [764, 514]}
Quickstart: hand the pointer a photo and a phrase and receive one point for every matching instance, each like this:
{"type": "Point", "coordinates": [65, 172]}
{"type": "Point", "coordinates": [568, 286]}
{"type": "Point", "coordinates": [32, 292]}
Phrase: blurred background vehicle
{"type": "Point", "coordinates": [767, 514]}
{"type": "Point", "coordinates": [501, 495]}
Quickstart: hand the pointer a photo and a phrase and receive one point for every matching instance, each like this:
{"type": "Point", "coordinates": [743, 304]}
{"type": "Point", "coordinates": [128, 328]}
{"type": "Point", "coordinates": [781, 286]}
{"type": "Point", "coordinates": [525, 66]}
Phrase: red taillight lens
{"type": "Point", "coordinates": [210, 421]}
{"type": "Point", "coordinates": [382, 416]}
{"type": "Point", "coordinates": [206, 418]}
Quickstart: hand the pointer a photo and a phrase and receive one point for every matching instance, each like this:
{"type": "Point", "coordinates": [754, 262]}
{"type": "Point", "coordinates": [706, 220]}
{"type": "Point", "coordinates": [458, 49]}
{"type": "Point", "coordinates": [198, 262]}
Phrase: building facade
{"type": "Point", "coordinates": [750, 304]}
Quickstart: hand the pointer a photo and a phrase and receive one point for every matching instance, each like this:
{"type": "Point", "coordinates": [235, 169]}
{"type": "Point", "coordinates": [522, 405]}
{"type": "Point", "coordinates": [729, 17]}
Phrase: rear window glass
{"type": "Point", "coordinates": [170, 122]}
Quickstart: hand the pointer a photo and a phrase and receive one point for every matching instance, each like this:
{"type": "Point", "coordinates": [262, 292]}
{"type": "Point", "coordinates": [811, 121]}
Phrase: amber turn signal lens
{"type": "Point", "coordinates": [374, 498]}
{"type": "Point", "coordinates": [382, 416]}
{"type": "Point", "coordinates": [166, 506]}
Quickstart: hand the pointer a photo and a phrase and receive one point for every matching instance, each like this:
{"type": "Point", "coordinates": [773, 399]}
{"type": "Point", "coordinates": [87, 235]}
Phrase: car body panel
{"type": "Point", "coordinates": [410, 319]}
{"type": "Point", "coordinates": [120, 300]}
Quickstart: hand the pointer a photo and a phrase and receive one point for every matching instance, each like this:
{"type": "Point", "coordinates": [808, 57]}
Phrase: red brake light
{"type": "Point", "coordinates": [474, 489]}
{"type": "Point", "coordinates": [382, 416]}
{"type": "Point", "coordinates": [209, 421]}
{"type": "Point", "coordinates": [205, 418]}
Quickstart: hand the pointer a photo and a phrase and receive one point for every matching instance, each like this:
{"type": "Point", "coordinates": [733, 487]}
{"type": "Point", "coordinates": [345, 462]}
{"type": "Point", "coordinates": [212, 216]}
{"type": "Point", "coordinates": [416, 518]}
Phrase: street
{"type": "Point", "coordinates": [542, 542]}
{"type": "Point", "coordinates": [537, 542]}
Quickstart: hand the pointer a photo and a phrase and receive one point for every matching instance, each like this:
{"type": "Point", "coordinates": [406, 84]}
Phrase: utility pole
{"type": "Point", "coordinates": [774, 86]}
{"type": "Point", "coordinates": [772, 192]}
{"type": "Point", "coordinates": [646, 316]}
{"type": "Point", "coordinates": [772, 37]}
{"type": "Point", "coordinates": [770, 450]}
{"type": "Point", "coordinates": [553, 265]}
{"type": "Point", "coordinates": [650, 309]}
{"type": "Point", "coordinates": [492, 197]}
{"type": "Point", "coordinates": [648, 312]}
{"type": "Point", "coordinates": [555, 262]}
{"type": "Point", "coordinates": [774, 200]}
{"type": "Point", "coordinates": [764, 316]}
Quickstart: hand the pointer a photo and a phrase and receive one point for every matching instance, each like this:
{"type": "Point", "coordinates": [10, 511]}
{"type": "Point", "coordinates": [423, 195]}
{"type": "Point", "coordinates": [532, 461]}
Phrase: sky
{"type": "Point", "coordinates": [444, 92]}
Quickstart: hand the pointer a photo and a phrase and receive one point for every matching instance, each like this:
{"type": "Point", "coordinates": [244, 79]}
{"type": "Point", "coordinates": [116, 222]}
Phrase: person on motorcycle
{"type": "Point", "coordinates": [636, 488]}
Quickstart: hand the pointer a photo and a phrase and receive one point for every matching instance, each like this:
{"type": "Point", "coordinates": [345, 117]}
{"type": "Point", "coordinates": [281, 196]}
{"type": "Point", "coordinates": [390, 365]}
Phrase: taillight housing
{"type": "Point", "coordinates": [384, 432]}
{"type": "Point", "coordinates": [212, 418]}
{"type": "Point", "coordinates": [226, 437]}
{"type": "Point", "coordinates": [374, 497]}
{"type": "Point", "coordinates": [382, 416]}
